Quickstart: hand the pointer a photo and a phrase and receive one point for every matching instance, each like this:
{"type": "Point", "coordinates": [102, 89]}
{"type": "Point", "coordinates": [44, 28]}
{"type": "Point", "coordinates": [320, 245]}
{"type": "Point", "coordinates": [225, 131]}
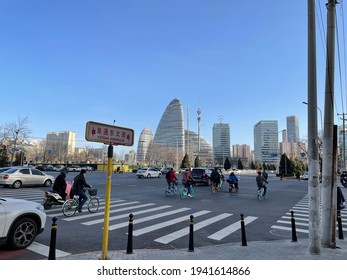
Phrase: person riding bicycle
{"type": "Point", "coordinates": [59, 185]}
{"type": "Point", "coordinates": [187, 181]}
{"type": "Point", "coordinates": [171, 178]}
{"type": "Point", "coordinates": [261, 182]}
{"type": "Point", "coordinates": [79, 183]}
{"type": "Point", "coordinates": [215, 177]}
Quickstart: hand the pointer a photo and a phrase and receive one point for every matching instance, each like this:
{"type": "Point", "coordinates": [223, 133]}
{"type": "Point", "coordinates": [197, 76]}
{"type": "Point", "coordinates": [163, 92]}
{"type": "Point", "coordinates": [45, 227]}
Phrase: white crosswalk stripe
{"type": "Point", "coordinates": [221, 225]}
{"type": "Point", "coordinates": [185, 231]}
{"type": "Point", "coordinates": [301, 217]}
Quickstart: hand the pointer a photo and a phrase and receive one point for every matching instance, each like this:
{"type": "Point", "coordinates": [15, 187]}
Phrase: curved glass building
{"type": "Point", "coordinates": [146, 137]}
{"type": "Point", "coordinates": [171, 141]}
{"type": "Point", "coordinates": [170, 131]}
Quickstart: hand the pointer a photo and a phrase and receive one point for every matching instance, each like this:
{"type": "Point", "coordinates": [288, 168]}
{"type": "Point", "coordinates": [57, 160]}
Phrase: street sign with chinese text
{"type": "Point", "coordinates": [109, 134]}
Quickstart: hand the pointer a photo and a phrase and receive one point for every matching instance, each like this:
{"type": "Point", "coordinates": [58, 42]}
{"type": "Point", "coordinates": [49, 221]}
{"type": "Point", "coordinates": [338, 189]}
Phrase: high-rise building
{"type": "Point", "coordinates": [61, 145]}
{"type": "Point", "coordinates": [170, 131]}
{"type": "Point", "coordinates": [293, 129]}
{"type": "Point", "coordinates": [221, 142]}
{"type": "Point", "coordinates": [145, 139]}
{"type": "Point", "coordinates": [242, 152]}
{"type": "Point", "coordinates": [169, 143]}
{"type": "Point", "coordinates": [266, 148]}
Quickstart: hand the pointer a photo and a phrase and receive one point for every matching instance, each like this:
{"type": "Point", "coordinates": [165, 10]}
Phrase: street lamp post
{"type": "Point", "coordinates": [320, 113]}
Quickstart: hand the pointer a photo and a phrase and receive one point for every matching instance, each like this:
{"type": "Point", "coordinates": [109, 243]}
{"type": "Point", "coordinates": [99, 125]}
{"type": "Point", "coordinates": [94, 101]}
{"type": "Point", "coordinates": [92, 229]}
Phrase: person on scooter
{"type": "Point", "coordinates": [59, 185]}
{"type": "Point", "coordinates": [233, 181]}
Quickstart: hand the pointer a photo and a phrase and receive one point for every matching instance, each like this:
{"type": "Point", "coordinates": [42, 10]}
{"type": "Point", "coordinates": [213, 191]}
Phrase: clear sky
{"type": "Point", "coordinates": [63, 63]}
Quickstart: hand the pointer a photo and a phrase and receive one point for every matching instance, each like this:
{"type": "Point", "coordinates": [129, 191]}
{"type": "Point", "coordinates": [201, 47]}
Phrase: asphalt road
{"type": "Point", "coordinates": [163, 222]}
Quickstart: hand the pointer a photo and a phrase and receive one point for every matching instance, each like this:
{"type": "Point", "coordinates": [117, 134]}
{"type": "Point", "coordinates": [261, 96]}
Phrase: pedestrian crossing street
{"type": "Point", "coordinates": [301, 216]}
{"type": "Point", "coordinates": [148, 218]}
{"type": "Point", "coordinates": [151, 217]}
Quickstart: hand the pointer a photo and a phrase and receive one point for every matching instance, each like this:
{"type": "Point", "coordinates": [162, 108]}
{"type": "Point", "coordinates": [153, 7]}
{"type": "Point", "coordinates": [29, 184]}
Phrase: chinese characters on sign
{"type": "Point", "coordinates": [109, 134]}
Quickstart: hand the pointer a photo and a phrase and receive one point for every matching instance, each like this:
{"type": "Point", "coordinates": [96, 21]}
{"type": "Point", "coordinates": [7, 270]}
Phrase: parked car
{"type": "Point", "coordinates": [74, 168]}
{"type": "Point", "coordinates": [201, 175]}
{"type": "Point", "coordinates": [20, 222]}
{"type": "Point", "coordinates": [40, 167]}
{"type": "Point", "coordinates": [148, 173]}
{"type": "Point", "coordinates": [18, 176]}
{"type": "Point", "coordinates": [58, 167]}
{"type": "Point", "coordinates": [304, 176]}
{"type": "Point", "coordinates": [88, 168]}
{"type": "Point", "coordinates": [49, 168]}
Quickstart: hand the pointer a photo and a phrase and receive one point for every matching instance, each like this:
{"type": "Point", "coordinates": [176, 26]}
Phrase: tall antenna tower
{"type": "Point", "coordinates": [187, 131]}
{"type": "Point", "coordinates": [199, 119]}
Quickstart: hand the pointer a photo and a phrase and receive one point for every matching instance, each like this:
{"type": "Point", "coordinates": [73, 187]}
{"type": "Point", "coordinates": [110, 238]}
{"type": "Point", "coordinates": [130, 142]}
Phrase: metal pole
{"type": "Point", "coordinates": [107, 203]}
{"type": "Point", "coordinates": [313, 156]}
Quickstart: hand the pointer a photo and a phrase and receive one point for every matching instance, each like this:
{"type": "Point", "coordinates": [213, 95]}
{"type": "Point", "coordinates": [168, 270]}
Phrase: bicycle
{"type": "Point", "coordinates": [184, 192]}
{"type": "Point", "coordinates": [70, 206]}
{"type": "Point", "coordinates": [215, 187]}
{"type": "Point", "coordinates": [171, 189]}
{"type": "Point", "coordinates": [260, 193]}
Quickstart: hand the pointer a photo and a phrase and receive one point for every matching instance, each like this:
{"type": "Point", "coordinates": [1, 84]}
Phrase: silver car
{"type": "Point", "coordinates": [19, 176]}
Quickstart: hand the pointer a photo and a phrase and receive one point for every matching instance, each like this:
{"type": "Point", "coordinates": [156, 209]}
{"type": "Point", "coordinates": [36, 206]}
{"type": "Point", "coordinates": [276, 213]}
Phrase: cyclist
{"type": "Point", "coordinates": [215, 177]}
{"type": "Point", "coordinates": [261, 182]}
{"type": "Point", "coordinates": [79, 183]}
{"type": "Point", "coordinates": [171, 178]}
{"type": "Point", "coordinates": [187, 180]}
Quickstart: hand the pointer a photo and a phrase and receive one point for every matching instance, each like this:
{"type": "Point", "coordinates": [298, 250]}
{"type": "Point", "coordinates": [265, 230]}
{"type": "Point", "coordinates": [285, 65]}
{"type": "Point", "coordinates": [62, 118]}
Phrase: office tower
{"type": "Point", "coordinates": [266, 142]}
{"type": "Point", "coordinates": [170, 131]}
{"type": "Point", "coordinates": [293, 129]}
{"type": "Point", "coordinates": [221, 142]}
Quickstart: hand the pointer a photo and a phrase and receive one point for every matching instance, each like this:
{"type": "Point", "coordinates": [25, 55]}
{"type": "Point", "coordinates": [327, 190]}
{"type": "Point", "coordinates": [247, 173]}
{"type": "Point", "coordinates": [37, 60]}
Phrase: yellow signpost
{"type": "Point", "coordinates": [111, 135]}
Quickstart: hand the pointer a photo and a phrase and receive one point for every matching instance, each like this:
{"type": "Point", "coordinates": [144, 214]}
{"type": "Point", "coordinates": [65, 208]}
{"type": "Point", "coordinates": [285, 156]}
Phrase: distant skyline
{"type": "Point", "coordinates": [65, 63]}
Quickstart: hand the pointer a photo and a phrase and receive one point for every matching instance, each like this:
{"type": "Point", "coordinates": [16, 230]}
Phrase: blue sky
{"type": "Point", "coordinates": [64, 63]}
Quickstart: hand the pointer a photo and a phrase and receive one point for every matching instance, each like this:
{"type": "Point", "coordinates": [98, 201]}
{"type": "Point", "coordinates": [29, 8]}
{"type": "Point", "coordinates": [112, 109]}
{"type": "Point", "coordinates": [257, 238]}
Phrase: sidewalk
{"type": "Point", "coordinates": [255, 250]}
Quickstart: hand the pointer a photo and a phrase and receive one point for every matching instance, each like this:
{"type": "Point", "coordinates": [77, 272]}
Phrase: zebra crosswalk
{"type": "Point", "coordinates": [167, 221]}
{"type": "Point", "coordinates": [301, 216]}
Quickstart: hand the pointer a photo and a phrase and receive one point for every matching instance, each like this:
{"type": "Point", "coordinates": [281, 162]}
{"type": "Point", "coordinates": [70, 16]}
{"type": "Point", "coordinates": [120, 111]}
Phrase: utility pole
{"type": "Point", "coordinates": [344, 140]}
{"type": "Point", "coordinates": [313, 156]}
{"type": "Point", "coordinates": [328, 166]}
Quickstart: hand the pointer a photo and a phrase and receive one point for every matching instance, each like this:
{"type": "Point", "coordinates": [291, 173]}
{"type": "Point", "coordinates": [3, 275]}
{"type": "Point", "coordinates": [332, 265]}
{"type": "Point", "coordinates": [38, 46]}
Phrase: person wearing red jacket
{"type": "Point", "coordinates": [171, 178]}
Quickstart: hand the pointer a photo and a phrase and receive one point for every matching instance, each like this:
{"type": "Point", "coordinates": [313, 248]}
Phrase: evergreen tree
{"type": "Point", "coordinates": [227, 163]}
{"type": "Point", "coordinates": [3, 156]}
{"type": "Point", "coordinates": [185, 161]}
{"type": "Point", "coordinates": [197, 162]}
{"type": "Point", "coordinates": [239, 164]}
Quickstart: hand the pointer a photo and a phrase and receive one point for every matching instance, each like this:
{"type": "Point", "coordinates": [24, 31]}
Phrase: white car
{"type": "Point", "coordinates": [18, 176]}
{"type": "Point", "coordinates": [148, 173]}
{"type": "Point", "coordinates": [74, 168]}
{"type": "Point", "coordinates": [20, 222]}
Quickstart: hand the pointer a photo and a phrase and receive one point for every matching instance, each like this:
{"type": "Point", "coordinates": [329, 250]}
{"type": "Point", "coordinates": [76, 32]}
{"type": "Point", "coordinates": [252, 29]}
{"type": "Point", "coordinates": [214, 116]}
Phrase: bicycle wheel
{"type": "Point", "coordinates": [260, 194]}
{"type": "Point", "coordinates": [93, 204]}
{"type": "Point", "coordinates": [192, 192]}
{"type": "Point", "coordinates": [183, 193]}
{"type": "Point", "coordinates": [69, 207]}
{"type": "Point", "coordinates": [167, 192]}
